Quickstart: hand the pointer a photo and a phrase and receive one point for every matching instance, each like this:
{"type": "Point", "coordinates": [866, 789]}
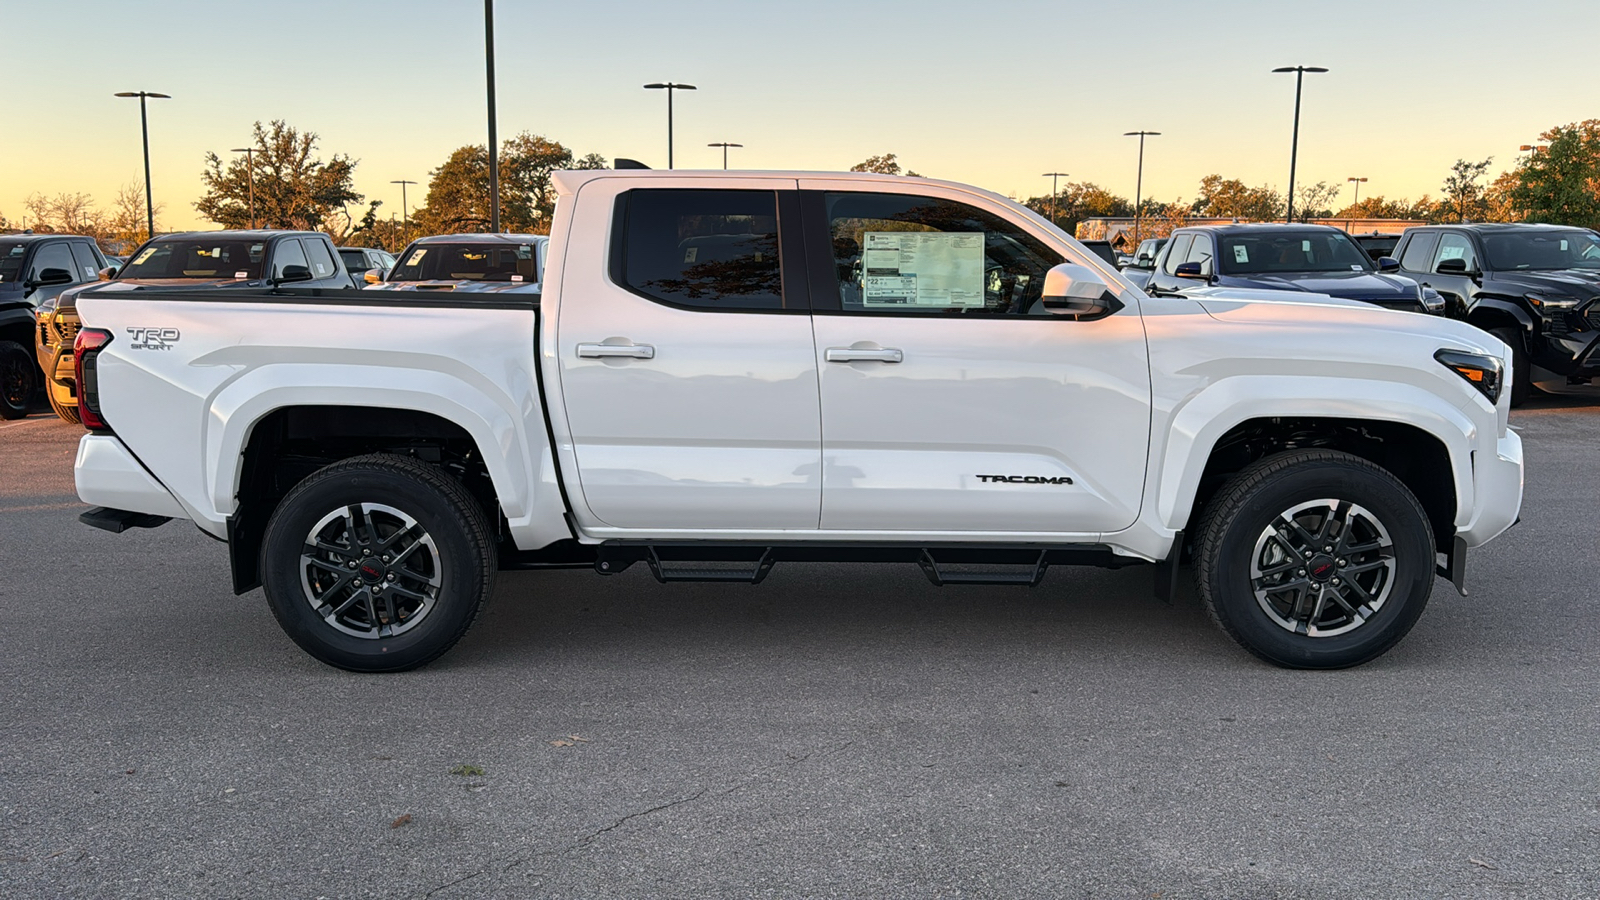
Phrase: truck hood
{"type": "Point", "coordinates": [460, 287]}
{"type": "Point", "coordinates": [1299, 310]}
{"type": "Point", "coordinates": [1369, 286]}
{"type": "Point", "coordinates": [1580, 283]}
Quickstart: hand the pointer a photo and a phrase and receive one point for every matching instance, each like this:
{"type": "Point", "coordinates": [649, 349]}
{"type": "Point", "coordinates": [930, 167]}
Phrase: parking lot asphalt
{"type": "Point", "coordinates": [838, 731]}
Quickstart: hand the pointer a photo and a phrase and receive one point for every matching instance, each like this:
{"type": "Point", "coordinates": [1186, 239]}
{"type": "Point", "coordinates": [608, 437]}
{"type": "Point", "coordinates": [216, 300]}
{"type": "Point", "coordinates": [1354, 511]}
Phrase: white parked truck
{"type": "Point", "coordinates": [729, 370]}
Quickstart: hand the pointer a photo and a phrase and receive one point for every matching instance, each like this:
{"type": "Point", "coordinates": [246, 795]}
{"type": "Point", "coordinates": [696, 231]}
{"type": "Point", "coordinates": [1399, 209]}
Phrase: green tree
{"type": "Point", "coordinates": [293, 187]}
{"type": "Point", "coordinates": [1462, 193]}
{"type": "Point", "coordinates": [458, 190]}
{"type": "Point", "coordinates": [883, 165]}
{"type": "Point", "coordinates": [1078, 201]}
{"type": "Point", "coordinates": [1315, 201]}
{"type": "Point", "coordinates": [1561, 183]}
{"type": "Point", "coordinates": [1230, 198]}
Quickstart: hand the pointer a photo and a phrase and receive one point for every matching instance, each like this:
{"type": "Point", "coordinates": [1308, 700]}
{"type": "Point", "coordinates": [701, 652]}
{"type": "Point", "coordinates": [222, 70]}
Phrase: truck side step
{"type": "Point", "coordinates": [953, 563]}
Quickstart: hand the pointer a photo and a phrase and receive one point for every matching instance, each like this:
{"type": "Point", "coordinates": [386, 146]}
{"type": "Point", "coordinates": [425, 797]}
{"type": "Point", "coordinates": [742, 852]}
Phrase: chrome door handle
{"type": "Point", "coordinates": [851, 354]}
{"type": "Point", "coordinates": [613, 351]}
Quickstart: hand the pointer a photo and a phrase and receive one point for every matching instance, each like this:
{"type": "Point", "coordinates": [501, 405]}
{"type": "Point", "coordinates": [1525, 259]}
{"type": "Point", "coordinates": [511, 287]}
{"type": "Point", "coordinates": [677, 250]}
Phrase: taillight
{"type": "Point", "coordinates": [85, 352]}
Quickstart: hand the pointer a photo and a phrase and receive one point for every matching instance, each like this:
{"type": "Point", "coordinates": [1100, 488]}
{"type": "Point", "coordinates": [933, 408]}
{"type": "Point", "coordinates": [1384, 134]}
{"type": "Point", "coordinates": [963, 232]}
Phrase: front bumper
{"type": "Point", "coordinates": [1497, 491]}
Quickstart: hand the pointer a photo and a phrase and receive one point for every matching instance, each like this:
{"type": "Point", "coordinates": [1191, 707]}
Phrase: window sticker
{"type": "Point", "coordinates": [1305, 246]}
{"type": "Point", "coordinates": [148, 252]}
{"type": "Point", "coordinates": [1451, 253]}
{"type": "Point", "coordinates": [690, 254]}
{"type": "Point", "coordinates": [241, 274]}
{"type": "Point", "coordinates": [1563, 244]}
{"type": "Point", "coordinates": [920, 268]}
{"type": "Point", "coordinates": [417, 256]}
{"type": "Point", "coordinates": [516, 278]}
{"type": "Point", "coordinates": [1355, 268]}
{"type": "Point", "coordinates": [1240, 254]}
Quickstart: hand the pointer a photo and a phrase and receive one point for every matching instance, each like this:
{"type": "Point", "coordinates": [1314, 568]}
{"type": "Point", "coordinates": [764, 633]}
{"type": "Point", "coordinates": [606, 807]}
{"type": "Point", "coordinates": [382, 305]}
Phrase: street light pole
{"type": "Point", "coordinates": [250, 165]}
{"type": "Point", "coordinates": [494, 141]}
{"type": "Point", "coordinates": [1294, 145]}
{"type": "Point", "coordinates": [669, 87]}
{"type": "Point", "coordinates": [1053, 192]}
{"type": "Point", "coordinates": [724, 145]}
{"type": "Point", "coordinates": [144, 128]}
{"type": "Point", "coordinates": [405, 209]}
{"type": "Point", "coordinates": [1138, 185]}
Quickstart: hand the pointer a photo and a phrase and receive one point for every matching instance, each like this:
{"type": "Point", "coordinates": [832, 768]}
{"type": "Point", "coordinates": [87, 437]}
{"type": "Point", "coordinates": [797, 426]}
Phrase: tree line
{"type": "Point", "coordinates": [295, 188]}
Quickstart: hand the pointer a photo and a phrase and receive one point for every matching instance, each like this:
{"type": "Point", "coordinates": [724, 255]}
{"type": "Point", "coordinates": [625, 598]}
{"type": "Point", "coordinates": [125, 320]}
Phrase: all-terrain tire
{"type": "Point", "coordinates": [1315, 559]}
{"type": "Point", "coordinates": [378, 563]}
{"type": "Point", "coordinates": [19, 380]}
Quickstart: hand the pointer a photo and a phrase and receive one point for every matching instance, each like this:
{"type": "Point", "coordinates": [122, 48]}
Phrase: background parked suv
{"type": "Point", "coordinates": [1315, 258]}
{"type": "Point", "coordinates": [34, 268]}
{"type": "Point", "coordinates": [358, 261]}
{"type": "Point", "coordinates": [203, 259]}
{"type": "Point", "coordinates": [1536, 287]}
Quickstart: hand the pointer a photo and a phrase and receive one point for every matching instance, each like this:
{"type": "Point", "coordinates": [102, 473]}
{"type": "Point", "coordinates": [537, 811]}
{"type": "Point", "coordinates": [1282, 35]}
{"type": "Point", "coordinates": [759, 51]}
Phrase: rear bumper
{"type": "Point", "coordinates": [1497, 491]}
{"type": "Point", "coordinates": [108, 475]}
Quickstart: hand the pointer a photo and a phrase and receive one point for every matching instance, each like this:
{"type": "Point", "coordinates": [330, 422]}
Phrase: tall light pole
{"type": "Point", "coordinates": [669, 87]}
{"type": "Point", "coordinates": [1138, 185]}
{"type": "Point", "coordinates": [405, 210]}
{"type": "Point", "coordinates": [1533, 149]}
{"type": "Point", "coordinates": [724, 145]}
{"type": "Point", "coordinates": [250, 165]}
{"type": "Point", "coordinates": [494, 140]}
{"type": "Point", "coordinates": [1053, 176]}
{"type": "Point", "coordinates": [1294, 145]}
{"type": "Point", "coordinates": [144, 128]}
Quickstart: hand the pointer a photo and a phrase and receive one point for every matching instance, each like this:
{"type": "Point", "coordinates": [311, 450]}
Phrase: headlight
{"type": "Point", "coordinates": [1482, 372]}
{"type": "Point", "coordinates": [1430, 299]}
{"type": "Point", "coordinates": [1543, 302]}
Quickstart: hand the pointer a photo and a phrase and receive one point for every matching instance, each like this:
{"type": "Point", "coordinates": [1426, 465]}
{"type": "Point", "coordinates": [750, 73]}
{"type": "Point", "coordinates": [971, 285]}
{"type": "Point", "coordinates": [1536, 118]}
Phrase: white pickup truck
{"type": "Point", "coordinates": [729, 370]}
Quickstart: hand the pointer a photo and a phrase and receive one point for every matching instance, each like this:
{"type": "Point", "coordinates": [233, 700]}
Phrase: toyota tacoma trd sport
{"type": "Point", "coordinates": [725, 371]}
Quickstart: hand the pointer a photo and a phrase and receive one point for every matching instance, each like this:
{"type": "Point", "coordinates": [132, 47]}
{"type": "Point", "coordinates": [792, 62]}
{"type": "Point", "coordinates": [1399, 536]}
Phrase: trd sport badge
{"type": "Point", "coordinates": [152, 338]}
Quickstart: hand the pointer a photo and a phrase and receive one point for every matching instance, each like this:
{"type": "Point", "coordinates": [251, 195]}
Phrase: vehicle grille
{"type": "Point", "coordinates": [1592, 316]}
{"type": "Point", "coordinates": [67, 331]}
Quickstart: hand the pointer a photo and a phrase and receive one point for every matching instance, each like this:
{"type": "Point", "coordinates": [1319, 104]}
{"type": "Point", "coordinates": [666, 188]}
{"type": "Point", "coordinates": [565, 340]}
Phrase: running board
{"type": "Point", "coordinates": [117, 521]}
{"type": "Point", "coordinates": [709, 561]}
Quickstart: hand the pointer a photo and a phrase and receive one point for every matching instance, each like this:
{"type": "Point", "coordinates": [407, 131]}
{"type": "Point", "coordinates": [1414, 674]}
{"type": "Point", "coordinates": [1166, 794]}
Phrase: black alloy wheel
{"type": "Point", "coordinates": [1315, 559]}
{"type": "Point", "coordinates": [378, 563]}
{"type": "Point", "coordinates": [19, 380]}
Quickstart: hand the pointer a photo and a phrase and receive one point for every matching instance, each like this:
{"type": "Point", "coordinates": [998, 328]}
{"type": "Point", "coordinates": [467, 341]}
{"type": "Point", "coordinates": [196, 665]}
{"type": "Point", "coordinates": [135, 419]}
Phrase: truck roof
{"type": "Point", "coordinates": [481, 237]}
{"type": "Point", "coordinates": [569, 181]}
{"type": "Point", "coordinates": [234, 234]}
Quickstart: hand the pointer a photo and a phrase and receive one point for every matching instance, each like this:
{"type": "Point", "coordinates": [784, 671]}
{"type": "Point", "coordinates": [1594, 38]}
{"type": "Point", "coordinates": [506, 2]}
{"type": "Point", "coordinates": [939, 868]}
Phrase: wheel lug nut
{"type": "Point", "coordinates": [1327, 549]}
{"type": "Point", "coordinates": [1308, 554]}
{"type": "Point", "coordinates": [1300, 571]}
{"type": "Point", "coordinates": [1336, 580]}
{"type": "Point", "coordinates": [1341, 563]}
{"type": "Point", "coordinates": [352, 564]}
{"type": "Point", "coordinates": [365, 552]}
{"type": "Point", "coordinates": [391, 576]}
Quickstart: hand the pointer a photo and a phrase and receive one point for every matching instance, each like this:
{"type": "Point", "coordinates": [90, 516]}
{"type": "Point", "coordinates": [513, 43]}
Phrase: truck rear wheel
{"type": "Point", "coordinates": [378, 563]}
{"type": "Point", "coordinates": [1315, 559]}
{"type": "Point", "coordinates": [19, 380]}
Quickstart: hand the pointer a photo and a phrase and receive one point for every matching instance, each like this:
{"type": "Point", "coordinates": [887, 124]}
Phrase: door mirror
{"type": "Point", "coordinates": [294, 273]}
{"type": "Point", "coordinates": [1146, 261]}
{"type": "Point", "coordinates": [1072, 290]}
{"type": "Point", "coordinates": [1388, 264]}
{"type": "Point", "coordinates": [375, 276]}
{"type": "Point", "coordinates": [1189, 270]}
{"type": "Point", "coordinates": [1457, 266]}
{"type": "Point", "coordinates": [108, 273]}
{"type": "Point", "coordinates": [50, 277]}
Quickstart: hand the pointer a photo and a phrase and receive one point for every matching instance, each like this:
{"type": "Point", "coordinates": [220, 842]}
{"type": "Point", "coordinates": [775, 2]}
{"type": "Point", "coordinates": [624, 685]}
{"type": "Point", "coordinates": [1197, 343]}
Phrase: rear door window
{"type": "Point", "coordinates": [322, 265]}
{"type": "Point", "coordinates": [89, 264]}
{"type": "Point", "coordinates": [1419, 251]}
{"type": "Point", "coordinates": [711, 249]}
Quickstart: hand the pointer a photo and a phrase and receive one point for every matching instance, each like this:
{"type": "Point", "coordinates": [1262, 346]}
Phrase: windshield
{"type": "Point", "coordinates": [353, 260]}
{"type": "Point", "coordinates": [467, 262]}
{"type": "Point", "coordinates": [1290, 251]}
{"type": "Point", "coordinates": [197, 258]}
{"type": "Point", "coordinates": [11, 254]}
{"type": "Point", "coordinates": [1542, 250]}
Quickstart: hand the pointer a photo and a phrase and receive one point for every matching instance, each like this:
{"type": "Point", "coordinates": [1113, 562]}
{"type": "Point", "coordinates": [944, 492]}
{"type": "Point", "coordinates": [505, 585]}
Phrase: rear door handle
{"type": "Point", "coordinates": [851, 354]}
{"type": "Point", "coordinates": [613, 351]}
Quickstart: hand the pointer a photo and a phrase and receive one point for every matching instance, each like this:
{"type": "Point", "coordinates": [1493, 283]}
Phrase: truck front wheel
{"type": "Point", "coordinates": [378, 563]}
{"type": "Point", "coordinates": [19, 379]}
{"type": "Point", "coordinates": [1315, 559]}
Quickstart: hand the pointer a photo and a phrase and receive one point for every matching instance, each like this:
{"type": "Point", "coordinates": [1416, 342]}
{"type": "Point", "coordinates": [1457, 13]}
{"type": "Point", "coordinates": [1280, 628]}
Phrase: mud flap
{"type": "Point", "coordinates": [1455, 565]}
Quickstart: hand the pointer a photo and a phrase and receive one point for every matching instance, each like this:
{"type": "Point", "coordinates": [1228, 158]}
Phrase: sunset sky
{"type": "Point", "coordinates": [986, 93]}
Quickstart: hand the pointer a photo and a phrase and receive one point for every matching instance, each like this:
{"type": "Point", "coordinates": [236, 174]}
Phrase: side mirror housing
{"type": "Point", "coordinates": [108, 273]}
{"type": "Point", "coordinates": [50, 277]}
{"type": "Point", "coordinates": [1457, 266]}
{"type": "Point", "coordinates": [1073, 290]}
{"type": "Point", "coordinates": [375, 276]}
{"type": "Point", "coordinates": [1388, 264]}
{"type": "Point", "coordinates": [1189, 270]}
{"type": "Point", "coordinates": [294, 273]}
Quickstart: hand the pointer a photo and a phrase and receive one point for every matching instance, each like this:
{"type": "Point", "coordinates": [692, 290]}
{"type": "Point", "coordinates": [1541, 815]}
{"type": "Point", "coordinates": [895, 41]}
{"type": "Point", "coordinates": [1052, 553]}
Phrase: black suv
{"type": "Point", "coordinates": [1536, 287]}
{"type": "Point", "coordinates": [34, 268]}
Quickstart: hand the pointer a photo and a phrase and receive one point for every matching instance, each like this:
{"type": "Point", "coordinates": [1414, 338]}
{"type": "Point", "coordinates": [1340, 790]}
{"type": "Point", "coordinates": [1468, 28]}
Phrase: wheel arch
{"type": "Point", "coordinates": [1495, 312]}
{"type": "Point", "coordinates": [1219, 431]}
